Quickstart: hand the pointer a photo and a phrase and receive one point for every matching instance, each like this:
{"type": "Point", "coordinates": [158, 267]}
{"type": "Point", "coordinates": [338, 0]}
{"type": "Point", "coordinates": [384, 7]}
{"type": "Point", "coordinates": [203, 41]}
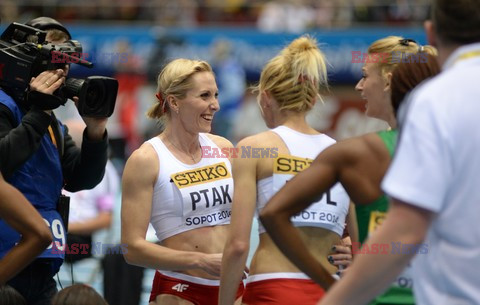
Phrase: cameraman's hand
{"type": "Point", "coordinates": [48, 81]}
{"type": "Point", "coordinates": [95, 126]}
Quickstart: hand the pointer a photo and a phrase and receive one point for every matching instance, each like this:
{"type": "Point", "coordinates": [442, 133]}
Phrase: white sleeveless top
{"type": "Point", "coordinates": [328, 213]}
{"type": "Point", "coordinates": [186, 197]}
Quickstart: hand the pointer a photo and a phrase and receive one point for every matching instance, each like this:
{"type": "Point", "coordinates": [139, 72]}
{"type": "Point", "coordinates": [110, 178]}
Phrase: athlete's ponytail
{"type": "Point", "coordinates": [294, 78]}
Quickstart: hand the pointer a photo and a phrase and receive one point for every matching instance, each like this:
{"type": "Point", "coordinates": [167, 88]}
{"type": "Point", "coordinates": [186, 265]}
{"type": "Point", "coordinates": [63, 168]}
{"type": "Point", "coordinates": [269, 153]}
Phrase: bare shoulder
{"type": "Point", "coordinates": [359, 147]}
{"type": "Point", "coordinates": [257, 154]}
{"type": "Point", "coordinates": [143, 160]}
{"type": "Point", "coordinates": [220, 141]}
{"type": "Point", "coordinates": [375, 146]}
{"type": "Point", "coordinates": [144, 154]}
{"type": "Point", "coordinates": [354, 150]}
{"type": "Point", "coordinates": [263, 139]}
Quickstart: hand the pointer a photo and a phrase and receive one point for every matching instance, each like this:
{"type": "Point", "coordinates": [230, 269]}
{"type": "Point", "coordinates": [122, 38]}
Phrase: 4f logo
{"type": "Point", "coordinates": [180, 287]}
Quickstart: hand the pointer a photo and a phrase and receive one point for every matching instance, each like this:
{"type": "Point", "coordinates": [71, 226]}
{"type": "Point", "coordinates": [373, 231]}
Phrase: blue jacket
{"type": "Point", "coordinates": [40, 179]}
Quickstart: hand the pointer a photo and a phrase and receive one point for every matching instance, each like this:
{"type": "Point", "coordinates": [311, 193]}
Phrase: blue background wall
{"type": "Point", "coordinates": [251, 47]}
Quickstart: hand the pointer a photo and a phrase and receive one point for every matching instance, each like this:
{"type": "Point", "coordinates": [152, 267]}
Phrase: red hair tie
{"type": "Point", "coordinates": [303, 78]}
{"type": "Point", "coordinates": [161, 101]}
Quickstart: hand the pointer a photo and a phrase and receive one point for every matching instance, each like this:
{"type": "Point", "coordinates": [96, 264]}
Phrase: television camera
{"type": "Point", "coordinates": [24, 54]}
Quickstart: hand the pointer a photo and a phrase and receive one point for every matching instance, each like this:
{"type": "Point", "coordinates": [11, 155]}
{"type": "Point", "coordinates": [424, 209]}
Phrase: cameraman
{"type": "Point", "coordinates": [41, 159]}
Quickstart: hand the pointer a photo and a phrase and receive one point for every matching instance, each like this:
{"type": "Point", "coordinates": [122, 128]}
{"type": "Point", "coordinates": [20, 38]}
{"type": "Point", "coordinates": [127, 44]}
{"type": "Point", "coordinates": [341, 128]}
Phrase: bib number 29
{"type": "Point", "coordinates": [58, 234]}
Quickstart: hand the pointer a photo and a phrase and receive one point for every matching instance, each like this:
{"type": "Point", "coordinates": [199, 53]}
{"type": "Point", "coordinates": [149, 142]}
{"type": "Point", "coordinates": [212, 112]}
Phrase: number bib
{"type": "Point", "coordinates": [405, 279]}
{"type": "Point", "coordinates": [206, 194]}
{"type": "Point", "coordinates": [57, 248]}
{"type": "Point", "coordinates": [329, 212]}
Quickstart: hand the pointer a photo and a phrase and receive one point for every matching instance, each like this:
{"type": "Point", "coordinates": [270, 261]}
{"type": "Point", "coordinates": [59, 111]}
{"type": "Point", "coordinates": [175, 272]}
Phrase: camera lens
{"type": "Point", "coordinates": [73, 87]}
{"type": "Point", "coordinates": [95, 95]}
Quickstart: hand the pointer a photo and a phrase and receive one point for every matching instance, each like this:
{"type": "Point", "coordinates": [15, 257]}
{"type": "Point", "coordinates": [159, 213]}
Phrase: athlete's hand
{"type": "Point", "coordinates": [341, 257]}
{"type": "Point", "coordinates": [212, 263]}
{"type": "Point", "coordinates": [246, 271]}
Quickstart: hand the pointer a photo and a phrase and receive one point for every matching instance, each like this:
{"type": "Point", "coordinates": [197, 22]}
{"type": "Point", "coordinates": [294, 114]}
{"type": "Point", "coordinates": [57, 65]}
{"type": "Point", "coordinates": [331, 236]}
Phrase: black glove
{"type": "Point", "coordinates": [45, 101]}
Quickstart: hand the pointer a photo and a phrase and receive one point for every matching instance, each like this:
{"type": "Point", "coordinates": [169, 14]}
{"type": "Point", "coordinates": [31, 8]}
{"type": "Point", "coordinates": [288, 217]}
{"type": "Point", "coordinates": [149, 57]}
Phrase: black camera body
{"type": "Point", "coordinates": [24, 54]}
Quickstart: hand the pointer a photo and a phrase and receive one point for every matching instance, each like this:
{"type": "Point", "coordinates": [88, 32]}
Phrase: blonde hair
{"type": "Point", "coordinates": [396, 45]}
{"type": "Point", "coordinates": [175, 79]}
{"type": "Point", "coordinates": [295, 76]}
{"type": "Point", "coordinates": [57, 35]}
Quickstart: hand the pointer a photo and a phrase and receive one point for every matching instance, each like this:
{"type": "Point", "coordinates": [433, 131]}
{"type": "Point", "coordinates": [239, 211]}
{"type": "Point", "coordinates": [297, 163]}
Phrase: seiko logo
{"type": "Point", "coordinates": [286, 164]}
{"type": "Point", "coordinates": [201, 175]}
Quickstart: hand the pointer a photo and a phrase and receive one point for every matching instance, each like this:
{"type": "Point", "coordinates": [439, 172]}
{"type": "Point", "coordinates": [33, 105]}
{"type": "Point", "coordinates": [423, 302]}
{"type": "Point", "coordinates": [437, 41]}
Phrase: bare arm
{"type": "Point", "coordinates": [352, 224]}
{"type": "Point", "coordinates": [138, 180]}
{"type": "Point", "coordinates": [102, 221]}
{"type": "Point", "coordinates": [405, 224]}
{"type": "Point", "coordinates": [304, 189]}
{"type": "Point", "coordinates": [21, 216]}
{"type": "Point", "coordinates": [343, 252]}
{"type": "Point", "coordinates": [238, 243]}
{"type": "Point", "coordinates": [104, 196]}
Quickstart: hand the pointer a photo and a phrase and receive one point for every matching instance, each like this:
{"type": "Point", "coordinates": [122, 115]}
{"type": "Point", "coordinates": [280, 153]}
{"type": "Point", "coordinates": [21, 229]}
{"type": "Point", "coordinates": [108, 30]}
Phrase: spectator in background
{"type": "Point", "coordinates": [292, 16]}
{"type": "Point", "coordinates": [324, 11]}
{"type": "Point", "coordinates": [131, 75]}
{"type": "Point", "coordinates": [180, 13]}
{"type": "Point", "coordinates": [9, 11]}
{"type": "Point", "coordinates": [90, 210]}
{"type": "Point", "coordinates": [231, 82]}
{"type": "Point", "coordinates": [247, 112]}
